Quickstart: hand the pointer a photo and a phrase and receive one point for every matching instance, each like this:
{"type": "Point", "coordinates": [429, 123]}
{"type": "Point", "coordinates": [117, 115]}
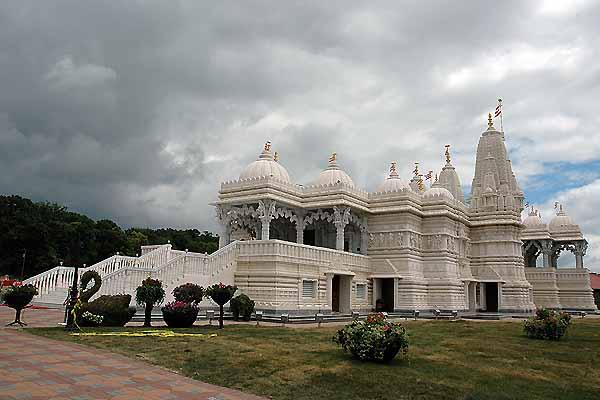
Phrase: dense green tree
{"type": "Point", "coordinates": [48, 233]}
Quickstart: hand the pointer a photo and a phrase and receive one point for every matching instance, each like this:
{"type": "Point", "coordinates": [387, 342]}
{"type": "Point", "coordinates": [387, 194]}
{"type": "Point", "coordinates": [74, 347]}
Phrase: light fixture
{"type": "Point", "coordinates": [258, 316]}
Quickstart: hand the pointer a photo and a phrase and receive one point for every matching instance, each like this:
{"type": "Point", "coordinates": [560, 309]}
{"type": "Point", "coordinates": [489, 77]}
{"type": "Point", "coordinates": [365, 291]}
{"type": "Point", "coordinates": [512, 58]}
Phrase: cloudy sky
{"type": "Point", "coordinates": [137, 110]}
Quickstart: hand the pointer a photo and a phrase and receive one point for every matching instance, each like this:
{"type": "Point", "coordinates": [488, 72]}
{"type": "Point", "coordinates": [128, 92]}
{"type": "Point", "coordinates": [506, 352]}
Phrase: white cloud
{"type": "Point", "coordinates": [517, 58]}
{"type": "Point", "coordinates": [65, 74]}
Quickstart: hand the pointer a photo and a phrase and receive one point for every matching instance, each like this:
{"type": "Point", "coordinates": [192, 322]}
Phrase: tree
{"type": "Point", "coordinates": [221, 294]}
{"type": "Point", "coordinates": [149, 294]}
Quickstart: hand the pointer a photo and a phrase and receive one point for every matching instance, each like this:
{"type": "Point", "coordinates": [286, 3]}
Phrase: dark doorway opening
{"type": "Point", "coordinates": [309, 237]}
{"type": "Point", "coordinates": [335, 294]}
{"type": "Point", "coordinates": [491, 297]}
{"type": "Point", "coordinates": [386, 299]}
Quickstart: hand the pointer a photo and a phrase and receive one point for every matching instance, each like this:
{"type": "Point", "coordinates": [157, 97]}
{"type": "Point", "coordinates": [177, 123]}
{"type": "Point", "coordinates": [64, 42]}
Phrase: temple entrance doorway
{"type": "Point", "coordinates": [335, 294]}
{"type": "Point", "coordinates": [341, 286]}
{"type": "Point", "coordinates": [491, 296]}
{"type": "Point", "coordinates": [383, 291]}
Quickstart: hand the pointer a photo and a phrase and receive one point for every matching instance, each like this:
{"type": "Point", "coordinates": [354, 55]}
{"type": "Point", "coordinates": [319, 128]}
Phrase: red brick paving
{"type": "Point", "coordinates": [37, 368]}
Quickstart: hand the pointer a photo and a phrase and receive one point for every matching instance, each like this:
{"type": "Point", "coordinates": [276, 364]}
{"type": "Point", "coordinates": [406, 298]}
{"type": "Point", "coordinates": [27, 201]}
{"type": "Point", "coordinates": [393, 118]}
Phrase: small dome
{"type": "Point", "coordinates": [333, 175]}
{"type": "Point", "coordinates": [266, 166]}
{"type": "Point", "coordinates": [534, 221]}
{"type": "Point", "coordinates": [436, 191]}
{"type": "Point", "coordinates": [562, 222]}
{"type": "Point", "coordinates": [393, 183]}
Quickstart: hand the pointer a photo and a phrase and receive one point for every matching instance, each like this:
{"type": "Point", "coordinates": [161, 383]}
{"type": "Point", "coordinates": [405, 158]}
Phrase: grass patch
{"type": "Point", "coordinates": [447, 360]}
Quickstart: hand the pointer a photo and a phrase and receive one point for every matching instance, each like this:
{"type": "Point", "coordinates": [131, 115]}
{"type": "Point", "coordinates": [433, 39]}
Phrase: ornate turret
{"type": "Point", "coordinates": [449, 180]}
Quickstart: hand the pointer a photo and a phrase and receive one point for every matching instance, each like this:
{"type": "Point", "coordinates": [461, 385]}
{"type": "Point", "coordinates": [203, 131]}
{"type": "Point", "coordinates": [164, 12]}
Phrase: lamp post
{"type": "Point", "coordinates": [72, 300]}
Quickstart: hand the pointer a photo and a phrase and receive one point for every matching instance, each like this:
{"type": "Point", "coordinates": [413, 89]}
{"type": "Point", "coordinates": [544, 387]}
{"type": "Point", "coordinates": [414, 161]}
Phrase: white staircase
{"type": "Point", "coordinates": [122, 274]}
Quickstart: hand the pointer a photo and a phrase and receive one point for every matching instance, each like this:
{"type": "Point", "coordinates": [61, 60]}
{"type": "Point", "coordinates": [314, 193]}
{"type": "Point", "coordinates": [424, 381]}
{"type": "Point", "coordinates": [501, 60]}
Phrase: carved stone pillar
{"type": "Point", "coordinates": [547, 252]}
{"type": "Point", "coordinates": [580, 250]}
{"type": "Point", "coordinates": [364, 240]}
{"type": "Point", "coordinates": [225, 226]}
{"type": "Point", "coordinates": [300, 223]}
{"type": "Point", "coordinates": [266, 213]}
{"type": "Point", "coordinates": [341, 217]}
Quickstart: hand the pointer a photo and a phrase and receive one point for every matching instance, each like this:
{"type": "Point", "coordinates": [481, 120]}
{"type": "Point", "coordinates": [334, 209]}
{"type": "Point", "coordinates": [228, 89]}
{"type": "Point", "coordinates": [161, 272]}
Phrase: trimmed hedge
{"type": "Point", "coordinates": [114, 309]}
{"type": "Point", "coordinates": [242, 306]}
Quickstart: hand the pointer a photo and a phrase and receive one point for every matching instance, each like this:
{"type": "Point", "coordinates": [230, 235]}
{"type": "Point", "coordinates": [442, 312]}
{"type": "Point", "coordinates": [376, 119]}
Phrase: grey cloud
{"type": "Point", "coordinates": [136, 111]}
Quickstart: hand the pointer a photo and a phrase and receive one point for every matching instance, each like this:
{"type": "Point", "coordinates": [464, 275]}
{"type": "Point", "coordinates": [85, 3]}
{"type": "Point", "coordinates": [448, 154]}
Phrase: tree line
{"type": "Point", "coordinates": [36, 236]}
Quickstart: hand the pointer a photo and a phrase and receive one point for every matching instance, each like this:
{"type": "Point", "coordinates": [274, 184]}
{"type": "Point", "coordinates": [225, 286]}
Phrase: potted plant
{"type": "Point", "coordinates": [182, 312]}
{"type": "Point", "coordinates": [148, 294]}
{"type": "Point", "coordinates": [17, 296]}
{"type": "Point", "coordinates": [221, 294]}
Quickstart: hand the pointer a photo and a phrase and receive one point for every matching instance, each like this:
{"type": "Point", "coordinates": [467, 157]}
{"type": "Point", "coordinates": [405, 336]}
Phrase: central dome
{"type": "Point", "coordinates": [562, 223]}
{"type": "Point", "coordinates": [333, 175]}
{"type": "Point", "coordinates": [266, 166]}
{"type": "Point", "coordinates": [393, 183]}
{"type": "Point", "coordinates": [534, 221]}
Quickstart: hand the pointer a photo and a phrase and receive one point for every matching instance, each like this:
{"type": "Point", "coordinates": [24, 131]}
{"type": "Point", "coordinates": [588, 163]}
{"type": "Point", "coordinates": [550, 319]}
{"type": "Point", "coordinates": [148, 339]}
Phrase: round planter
{"type": "Point", "coordinates": [180, 319]}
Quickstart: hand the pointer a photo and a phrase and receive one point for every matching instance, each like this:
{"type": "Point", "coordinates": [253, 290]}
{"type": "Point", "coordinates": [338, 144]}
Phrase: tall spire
{"type": "Point", "coordinates": [493, 170]}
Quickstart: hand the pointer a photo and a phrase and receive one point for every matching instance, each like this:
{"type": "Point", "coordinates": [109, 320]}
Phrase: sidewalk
{"type": "Point", "coordinates": [38, 368]}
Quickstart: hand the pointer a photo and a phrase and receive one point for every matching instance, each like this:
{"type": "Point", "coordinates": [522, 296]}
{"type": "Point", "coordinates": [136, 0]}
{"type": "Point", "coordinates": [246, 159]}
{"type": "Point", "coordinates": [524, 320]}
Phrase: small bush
{"type": "Point", "coordinates": [374, 339]}
{"type": "Point", "coordinates": [242, 306]}
{"type": "Point", "coordinates": [188, 293]}
{"type": "Point", "coordinates": [114, 309]}
{"type": "Point", "coordinates": [547, 324]}
{"type": "Point", "coordinates": [180, 314]}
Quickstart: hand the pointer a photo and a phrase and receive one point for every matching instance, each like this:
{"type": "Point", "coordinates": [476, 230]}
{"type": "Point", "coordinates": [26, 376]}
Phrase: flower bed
{"type": "Point", "coordinates": [374, 339]}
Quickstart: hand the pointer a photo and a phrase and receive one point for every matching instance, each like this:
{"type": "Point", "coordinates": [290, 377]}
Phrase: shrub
{"type": "Point", "coordinates": [18, 296]}
{"type": "Point", "coordinates": [180, 314]}
{"type": "Point", "coordinates": [149, 293]}
{"type": "Point", "coordinates": [374, 339]}
{"type": "Point", "coordinates": [188, 293]}
{"type": "Point", "coordinates": [547, 324]}
{"type": "Point", "coordinates": [242, 306]}
{"type": "Point", "coordinates": [221, 294]}
{"type": "Point", "coordinates": [114, 309]}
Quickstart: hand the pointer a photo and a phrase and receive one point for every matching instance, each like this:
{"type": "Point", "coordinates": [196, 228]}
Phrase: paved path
{"type": "Point", "coordinates": [37, 368]}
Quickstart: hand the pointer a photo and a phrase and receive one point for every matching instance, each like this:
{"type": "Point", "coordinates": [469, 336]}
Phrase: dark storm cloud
{"type": "Point", "coordinates": [136, 110]}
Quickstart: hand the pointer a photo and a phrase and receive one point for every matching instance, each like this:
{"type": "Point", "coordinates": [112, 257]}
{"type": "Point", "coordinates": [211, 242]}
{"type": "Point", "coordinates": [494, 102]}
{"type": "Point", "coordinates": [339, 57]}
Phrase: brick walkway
{"type": "Point", "coordinates": [39, 368]}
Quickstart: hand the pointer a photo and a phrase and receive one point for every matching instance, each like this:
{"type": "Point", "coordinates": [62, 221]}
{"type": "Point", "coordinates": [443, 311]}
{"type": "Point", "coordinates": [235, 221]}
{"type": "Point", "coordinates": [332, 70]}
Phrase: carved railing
{"type": "Point", "coordinates": [303, 253]}
{"type": "Point", "coordinates": [182, 263]}
{"type": "Point", "coordinates": [62, 277]}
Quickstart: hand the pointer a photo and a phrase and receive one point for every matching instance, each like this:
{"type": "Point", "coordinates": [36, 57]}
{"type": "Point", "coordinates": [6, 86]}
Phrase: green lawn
{"type": "Point", "coordinates": [446, 360]}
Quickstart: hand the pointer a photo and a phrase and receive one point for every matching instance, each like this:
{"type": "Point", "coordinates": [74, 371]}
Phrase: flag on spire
{"type": "Point", "coordinates": [429, 175]}
{"type": "Point", "coordinates": [498, 109]}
